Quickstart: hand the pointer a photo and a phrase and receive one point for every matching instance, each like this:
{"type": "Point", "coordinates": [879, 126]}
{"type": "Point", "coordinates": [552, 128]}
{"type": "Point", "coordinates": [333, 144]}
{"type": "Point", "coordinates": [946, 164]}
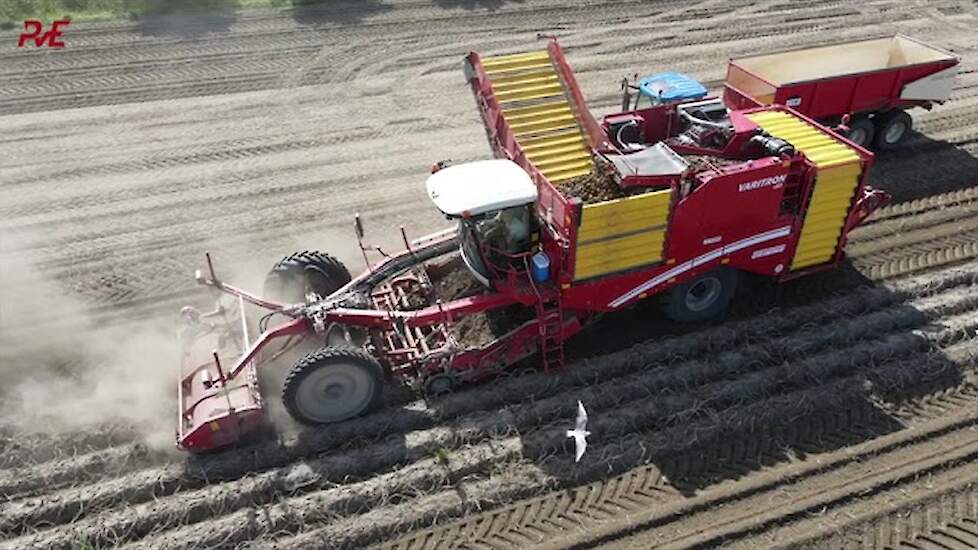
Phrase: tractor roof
{"type": "Point", "coordinates": [671, 86]}
{"type": "Point", "coordinates": [483, 186]}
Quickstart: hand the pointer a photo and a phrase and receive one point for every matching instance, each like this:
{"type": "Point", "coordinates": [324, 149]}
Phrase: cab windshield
{"type": "Point", "coordinates": [489, 238]}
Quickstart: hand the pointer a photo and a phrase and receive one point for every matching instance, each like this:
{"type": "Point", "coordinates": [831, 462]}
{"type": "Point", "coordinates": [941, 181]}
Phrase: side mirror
{"type": "Point", "coordinates": [358, 225]}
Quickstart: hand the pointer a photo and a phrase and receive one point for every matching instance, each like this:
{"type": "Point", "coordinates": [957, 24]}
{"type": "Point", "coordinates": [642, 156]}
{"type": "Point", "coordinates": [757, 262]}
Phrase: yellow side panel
{"type": "Point", "coordinates": [839, 169]}
{"type": "Point", "coordinates": [622, 234]}
{"type": "Point", "coordinates": [604, 219]}
{"type": "Point", "coordinates": [604, 257]}
{"type": "Point", "coordinates": [834, 188]}
{"type": "Point", "coordinates": [821, 148]}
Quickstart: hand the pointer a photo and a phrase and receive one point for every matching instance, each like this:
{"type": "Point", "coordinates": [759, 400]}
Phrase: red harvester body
{"type": "Point", "coordinates": [703, 194]}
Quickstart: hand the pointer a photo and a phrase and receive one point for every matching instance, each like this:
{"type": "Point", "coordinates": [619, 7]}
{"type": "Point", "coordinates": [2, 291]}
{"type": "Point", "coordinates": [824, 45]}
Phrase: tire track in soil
{"type": "Point", "coordinates": [639, 506]}
{"type": "Point", "coordinates": [179, 512]}
{"type": "Point", "coordinates": [840, 398]}
{"type": "Point", "coordinates": [306, 508]}
{"type": "Point", "coordinates": [941, 519]}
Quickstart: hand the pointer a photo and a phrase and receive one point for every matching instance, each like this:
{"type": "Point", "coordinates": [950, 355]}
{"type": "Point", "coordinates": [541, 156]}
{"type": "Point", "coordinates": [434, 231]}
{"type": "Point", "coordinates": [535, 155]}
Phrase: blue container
{"type": "Point", "coordinates": [540, 267]}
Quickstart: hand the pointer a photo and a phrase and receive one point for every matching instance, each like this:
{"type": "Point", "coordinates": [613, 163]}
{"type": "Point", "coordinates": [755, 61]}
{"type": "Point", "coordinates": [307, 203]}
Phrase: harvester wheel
{"type": "Point", "coordinates": [861, 132]}
{"type": "Point", "coordinates": [333, 384]}
{"type": "Point", "coordinates": [892, 128]}
{"type": "Point", "coordinates": [703, 297]}
{"type": "Point", "coordinates": [303, 272]}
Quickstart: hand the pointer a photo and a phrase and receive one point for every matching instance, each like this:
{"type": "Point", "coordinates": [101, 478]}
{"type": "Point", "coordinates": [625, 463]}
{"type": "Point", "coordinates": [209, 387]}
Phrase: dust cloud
{"type": "Point", "coordinates": [65, 369]}
{"type": "Point", "coordinates": [68, 366]}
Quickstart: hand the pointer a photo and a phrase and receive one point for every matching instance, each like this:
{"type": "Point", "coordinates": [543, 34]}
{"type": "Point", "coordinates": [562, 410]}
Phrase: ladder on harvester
{"type": "Point", "coordinates": [550, 324]}
{"type": "Point", "coordinates": [536, 108]}
{"type": "Point", "coordinates": [550, 317]}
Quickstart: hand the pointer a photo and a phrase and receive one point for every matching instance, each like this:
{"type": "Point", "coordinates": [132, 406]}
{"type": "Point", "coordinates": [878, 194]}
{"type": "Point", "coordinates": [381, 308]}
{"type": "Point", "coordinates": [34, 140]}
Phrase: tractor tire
{"type": "Point", "coordinates": [303, 272]}
{"type": "Point", "coordinates": [701, 298]}
{"type": "Point", "coordinates": [861, 132]}
{"type": "Point", "coordinates": [892, 128]}
{"type": "Point", "coordinates": [333, 384]}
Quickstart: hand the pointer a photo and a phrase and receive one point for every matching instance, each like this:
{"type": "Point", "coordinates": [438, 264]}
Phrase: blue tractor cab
{"type": "Point", "coordinates": [667, 87]}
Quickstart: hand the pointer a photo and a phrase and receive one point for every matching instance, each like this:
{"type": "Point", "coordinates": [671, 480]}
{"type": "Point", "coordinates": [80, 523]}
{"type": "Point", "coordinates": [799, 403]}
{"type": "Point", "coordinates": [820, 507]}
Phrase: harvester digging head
{"type": "Point", "coordinates": [215, 411]}
{"type": "Point", "coordinates": [218, 390]}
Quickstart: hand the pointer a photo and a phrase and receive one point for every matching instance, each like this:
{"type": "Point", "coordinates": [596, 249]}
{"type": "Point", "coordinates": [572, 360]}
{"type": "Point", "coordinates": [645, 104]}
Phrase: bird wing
{"type": "Point", "coordinates": [581, 417]}
{"type": "Point", "coordinates": [580, 444]}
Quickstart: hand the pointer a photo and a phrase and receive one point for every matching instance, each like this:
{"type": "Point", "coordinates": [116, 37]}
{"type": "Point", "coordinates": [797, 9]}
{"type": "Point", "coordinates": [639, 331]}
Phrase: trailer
{"type": "Point", "coordinates": [702, 195]}
{"type": "Point", "coordinates": [872, 81]}
{"type": "Point", "coordinates": [869, 82]}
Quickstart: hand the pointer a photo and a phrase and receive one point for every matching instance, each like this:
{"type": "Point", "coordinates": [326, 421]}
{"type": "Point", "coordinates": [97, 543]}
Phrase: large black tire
{"type": "Point", "coordinates": [333, 384]}
{"type": "Point", "coordinates": [861, 132]}
{"type": "Point", "coordinates": [892, 128]}
{"type": "Point", "coordinates": [303, 272]}
{"type": "Point", "coordinates": [702, 298]}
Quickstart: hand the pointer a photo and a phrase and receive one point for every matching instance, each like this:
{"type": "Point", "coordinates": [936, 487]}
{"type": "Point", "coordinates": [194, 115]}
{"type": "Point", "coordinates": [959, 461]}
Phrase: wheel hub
{"type": "Point", "coordinates": [895, 132]}
{"type": "Point", "coordinates": [703, 293]}
{"type": "Point", "coordinates": [335, 393]}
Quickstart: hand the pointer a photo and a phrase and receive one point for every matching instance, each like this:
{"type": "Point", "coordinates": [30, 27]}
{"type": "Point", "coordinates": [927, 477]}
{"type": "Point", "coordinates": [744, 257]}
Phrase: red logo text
{"type": "Point", "coordinates": [35, 32]}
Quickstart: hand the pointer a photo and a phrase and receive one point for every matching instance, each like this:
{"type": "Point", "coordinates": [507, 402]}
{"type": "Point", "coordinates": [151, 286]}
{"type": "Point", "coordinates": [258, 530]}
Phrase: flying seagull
{"type": "Point", "coordinates": [579, 433]}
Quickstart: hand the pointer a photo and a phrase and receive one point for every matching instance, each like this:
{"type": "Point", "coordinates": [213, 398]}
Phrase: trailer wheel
{"type": "Point", "coordinates": [861, 132]}
{"type": "Point", "coordinates": [892, 128]}
{"type": "Point", "coordinates": [297, 274]}
{"type": "Point", "coordinates": [703, 297]}
{"type": "Point", "coordinates": [333, 384]}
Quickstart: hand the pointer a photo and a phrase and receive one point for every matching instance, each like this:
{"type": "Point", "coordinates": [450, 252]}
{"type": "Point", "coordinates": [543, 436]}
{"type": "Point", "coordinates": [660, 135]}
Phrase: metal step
{"type": "Point", "coordinates": [568, 170]}
{"type": "Point", "coordinates": [530, 92]}
{"type": "Point", "coordinates": [525, 82]}
{"type": "Point", "coordinates": [552, 124]}
{"type": "Point", "coordinates": [562, 160]}
{"type": "Point", "coordinates": [516, 62]}
{"type": "Point", "coordinates": [535, 144]}
{"type": "Point", "coordinates": [557, 176]}
{"type": "Point", "coordinates": [543, 154]}
{"type": "Point", "coordinates": [514, 76]}
{"type": "Point", "coordinates": [533, 112]}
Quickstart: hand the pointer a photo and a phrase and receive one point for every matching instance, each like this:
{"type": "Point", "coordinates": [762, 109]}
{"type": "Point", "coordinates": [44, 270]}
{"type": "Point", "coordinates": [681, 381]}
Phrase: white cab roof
{"type": "Point", "coordinates": [481, 186]}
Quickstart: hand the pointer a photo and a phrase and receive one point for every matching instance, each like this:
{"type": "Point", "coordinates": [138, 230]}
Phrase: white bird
{"type": "Point", "coordinates": [580, 433]}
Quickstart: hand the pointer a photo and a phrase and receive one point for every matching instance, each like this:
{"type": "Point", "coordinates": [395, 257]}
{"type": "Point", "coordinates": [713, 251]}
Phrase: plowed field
{"type": "Point", "coordinates": [837, 411]}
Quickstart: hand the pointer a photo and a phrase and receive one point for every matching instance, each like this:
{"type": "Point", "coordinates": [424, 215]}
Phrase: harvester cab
{"type": "Point", "coordinates": [492, 201]}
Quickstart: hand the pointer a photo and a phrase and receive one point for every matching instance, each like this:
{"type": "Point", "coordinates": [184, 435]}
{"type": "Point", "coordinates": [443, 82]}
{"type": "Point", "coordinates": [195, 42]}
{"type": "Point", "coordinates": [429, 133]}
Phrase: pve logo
{"type": "Point", "coordinates": [35, 32]}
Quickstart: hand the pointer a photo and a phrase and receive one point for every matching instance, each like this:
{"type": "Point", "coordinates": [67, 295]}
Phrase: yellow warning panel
{"type": "Point", "coordinates": [604, 257]}
{"type": "Point", "coordinates": [827, 211]}
{"type": "Point", "coordinates": [820, 147]}
{"type": "Point", "coordinates": [622, 234]}
{"type": "Point", "coordinates": [838, 171]}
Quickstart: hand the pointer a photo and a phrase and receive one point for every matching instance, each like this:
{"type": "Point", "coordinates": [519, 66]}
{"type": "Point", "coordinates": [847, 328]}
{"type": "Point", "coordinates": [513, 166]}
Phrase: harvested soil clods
{"type": "Point", "coordinates": [455, 283]}
{"type": "Point", "coordinates": [473, 330]}
{"type": "Point", "coordinates": [598, 186]}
